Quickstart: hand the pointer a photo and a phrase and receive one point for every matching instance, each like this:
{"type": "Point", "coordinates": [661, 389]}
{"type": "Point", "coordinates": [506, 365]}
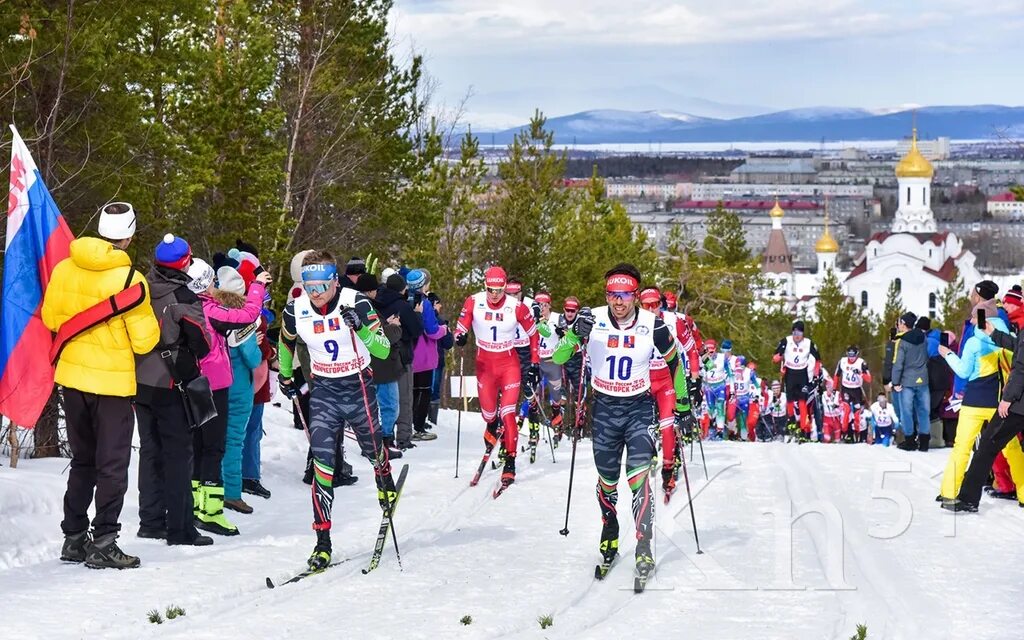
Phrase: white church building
{"type": "Point", "coordinates": [921, 260]}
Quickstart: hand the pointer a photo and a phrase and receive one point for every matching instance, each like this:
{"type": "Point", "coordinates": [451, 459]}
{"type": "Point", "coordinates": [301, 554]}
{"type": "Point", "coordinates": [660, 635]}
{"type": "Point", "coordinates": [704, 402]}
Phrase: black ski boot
{"type": "Point", "coordinates": [609, 548]}
{"type": "Point", "coordinates": [74, 547]}
{"type": "Point", "coordinates": [508, 475]}
{"type": "Point", "coordinates": [320, 559]}
{"type": "Point", "coordinates": [909, 444]}
{"type": "Point", "coordinates": [103, 553]}
{"type": "Point", "coordinates": [386, 492]}
{"type": "Point", "coordinates": [644, 565]}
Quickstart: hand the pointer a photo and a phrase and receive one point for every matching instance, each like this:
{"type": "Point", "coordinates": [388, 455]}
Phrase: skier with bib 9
{"type": "Point", "coordinates": [341, 330]}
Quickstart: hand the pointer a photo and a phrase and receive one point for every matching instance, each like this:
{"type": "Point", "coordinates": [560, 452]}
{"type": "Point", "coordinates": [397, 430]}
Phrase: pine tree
{"type": "Point", "coordinates": [953, 305]}
{"type": "Point", "coordinates": [726, 241]}
{"type": "Point", "coordinates": [838, 322]}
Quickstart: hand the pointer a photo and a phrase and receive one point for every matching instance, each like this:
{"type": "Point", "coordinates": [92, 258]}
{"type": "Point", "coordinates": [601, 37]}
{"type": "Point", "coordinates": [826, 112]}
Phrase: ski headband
{"type": "Point", "coordinates": [319, 272]}
{"type": "Point", "coordinates": [543, 297]}
{"type": "Point", "coordinates": [621, 283]}
{"type": "Point", "coordinates": [650, 296]}
{"type": "Point", "coordinates": [571, 304]}
{"type": "Point", "coordinates": [513, 288]}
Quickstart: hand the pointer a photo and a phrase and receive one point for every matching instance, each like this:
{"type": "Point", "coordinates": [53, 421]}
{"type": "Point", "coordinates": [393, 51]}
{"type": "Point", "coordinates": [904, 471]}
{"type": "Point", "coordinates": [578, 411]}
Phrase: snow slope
{"type": "Point", "coordinates": [880, 553]}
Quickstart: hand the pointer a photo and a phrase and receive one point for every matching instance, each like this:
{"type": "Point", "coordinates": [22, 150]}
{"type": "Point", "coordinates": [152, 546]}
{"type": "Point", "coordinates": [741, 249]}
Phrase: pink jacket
{"type": "Point", "coordinates": [216, 366]}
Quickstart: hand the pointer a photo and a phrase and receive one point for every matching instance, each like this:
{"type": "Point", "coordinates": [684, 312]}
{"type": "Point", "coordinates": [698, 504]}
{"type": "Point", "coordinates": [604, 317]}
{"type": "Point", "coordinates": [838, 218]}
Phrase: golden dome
{"type": "Point", "coordinates": [776, 211]}
{"type": "Point", "coordinates": [826, 243]}
{"type": "Point", "coordinates": [914, 165]}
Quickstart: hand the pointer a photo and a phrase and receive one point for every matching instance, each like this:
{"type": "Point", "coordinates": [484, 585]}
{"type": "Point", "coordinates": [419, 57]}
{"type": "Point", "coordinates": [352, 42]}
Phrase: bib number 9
{"type": "Point", "coordinates": [622, 371]}
{"type": "Point", "coordinates": [333, 349]}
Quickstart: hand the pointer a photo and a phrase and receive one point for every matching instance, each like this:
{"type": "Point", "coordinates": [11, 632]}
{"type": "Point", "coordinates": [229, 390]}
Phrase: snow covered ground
{"type": "Point", "coordinates": [873, 549]}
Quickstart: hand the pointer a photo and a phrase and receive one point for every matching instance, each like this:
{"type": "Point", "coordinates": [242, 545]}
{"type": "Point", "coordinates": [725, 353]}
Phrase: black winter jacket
{"type": "Point", "coordinates": [388, 303]}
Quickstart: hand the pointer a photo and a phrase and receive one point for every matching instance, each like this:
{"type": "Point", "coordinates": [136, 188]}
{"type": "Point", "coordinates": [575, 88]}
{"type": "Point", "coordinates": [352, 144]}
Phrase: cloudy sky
{"type": "Point", "coordinates": [713, 57]}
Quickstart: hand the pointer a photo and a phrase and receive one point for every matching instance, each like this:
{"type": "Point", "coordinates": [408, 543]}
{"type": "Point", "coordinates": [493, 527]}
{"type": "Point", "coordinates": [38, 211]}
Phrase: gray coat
{"type": "Point", "coordinates": [910, 361]}
{"type": "Point", "coordinates": [182, 332]}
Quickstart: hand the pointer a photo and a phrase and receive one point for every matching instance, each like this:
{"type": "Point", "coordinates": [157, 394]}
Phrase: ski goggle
{"type": "Point", "coordinates": [315, 288]}
{"type": "Point", "coordinates": [495, 290]}
{"type": "Point", "coordinates": [622, 296]}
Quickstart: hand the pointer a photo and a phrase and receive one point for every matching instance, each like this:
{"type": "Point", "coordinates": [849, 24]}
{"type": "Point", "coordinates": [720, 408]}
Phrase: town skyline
{"type": "Point", "coordinates": [503, 58]}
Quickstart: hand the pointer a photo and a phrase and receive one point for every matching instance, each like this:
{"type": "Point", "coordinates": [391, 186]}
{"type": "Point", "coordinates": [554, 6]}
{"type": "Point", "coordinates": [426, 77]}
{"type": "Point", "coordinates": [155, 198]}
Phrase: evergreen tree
{"type": "Point", "coordinates": [838, 322]}
{"type": "Point", "coordinates": [726, 241]}
{"type": "Point", "coordinates": [954, 306]}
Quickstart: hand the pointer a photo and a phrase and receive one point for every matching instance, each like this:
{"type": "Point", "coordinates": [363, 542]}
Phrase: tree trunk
{"type": "Point", "coordinates": [46, 435]}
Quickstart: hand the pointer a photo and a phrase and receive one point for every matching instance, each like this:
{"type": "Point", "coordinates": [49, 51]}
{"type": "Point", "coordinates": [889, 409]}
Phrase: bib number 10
{"type": "Point", "coordinates": [620, 370]}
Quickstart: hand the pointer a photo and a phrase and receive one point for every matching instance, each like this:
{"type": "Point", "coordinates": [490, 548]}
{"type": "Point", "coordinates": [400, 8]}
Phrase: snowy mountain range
{"type": "Point", "coordinates": [975, 122]}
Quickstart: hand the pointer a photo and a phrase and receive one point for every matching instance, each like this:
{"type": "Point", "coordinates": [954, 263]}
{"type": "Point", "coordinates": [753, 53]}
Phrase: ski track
{"type": "Point", "coordinates": [504, 563]}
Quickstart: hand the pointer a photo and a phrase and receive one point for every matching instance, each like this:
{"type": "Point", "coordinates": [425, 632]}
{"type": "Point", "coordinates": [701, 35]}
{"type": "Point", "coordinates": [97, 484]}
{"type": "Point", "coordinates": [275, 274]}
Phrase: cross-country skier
{"type": "Point", "coordinates": [832, 407]}
{"type": "Point", "coordinates": [717, 378]}
{"type": "Point", "coordinates": [575, 368]}
{"type": "Point", "coordinates": [621, 341]}
{"type": "Point", "coordinates": [551, 372]}
{"type": "Point", "coordinates": [663, 390]}
{"type": "Point", "coordinates": [341, 330]}
{"type": "Point", "coordinates": [799, 357]}
{"type": "Point", "coordinates": [743, 410]}
{"type": "Point", "coordinates": [775, 410]}
{"type": "Point", "coordinates": [853, 372]}
{"type": "Point", "coordinates": [883, 420]}
{"type": "Point", "coordinates": [496, 319]}
{"type": "Point", "coordinates": [529, 411]}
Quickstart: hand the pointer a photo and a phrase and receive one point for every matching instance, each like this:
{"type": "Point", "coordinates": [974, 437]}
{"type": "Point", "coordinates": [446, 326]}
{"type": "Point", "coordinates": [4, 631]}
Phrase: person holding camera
{"type": "Point", "coordinates": [392, 300]}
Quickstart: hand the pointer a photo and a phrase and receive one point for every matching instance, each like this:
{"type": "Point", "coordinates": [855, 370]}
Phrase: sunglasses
{"type": "Point", "coordinates": [625, 296]}
{"type": "Point", "coordinates": [495, 290]}
{"type": "Point", "coordinates": [314, 288]}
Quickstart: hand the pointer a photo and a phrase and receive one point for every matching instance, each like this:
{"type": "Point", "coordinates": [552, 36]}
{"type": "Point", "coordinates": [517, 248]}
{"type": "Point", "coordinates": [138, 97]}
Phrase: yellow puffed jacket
{"type": "Point", "coordinates": [102, 359]}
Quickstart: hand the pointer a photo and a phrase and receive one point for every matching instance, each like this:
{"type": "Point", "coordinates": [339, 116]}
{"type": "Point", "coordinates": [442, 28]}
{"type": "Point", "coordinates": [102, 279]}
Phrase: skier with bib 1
{"type": "Point", "coordinates": [496, 319]}
{"type": "Point", "coordinates": [621, 341]}
{"type": "Point", "coordinates": [341, 330]}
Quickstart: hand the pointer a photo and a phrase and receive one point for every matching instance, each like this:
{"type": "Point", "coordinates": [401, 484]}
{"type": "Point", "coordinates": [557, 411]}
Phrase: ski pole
{"type": "Point", "coordinates": [575, 439]}
{"type": "Point", "coordinates": [689, 500]}
{"type": "Point", "coordinates": [389, 511]}
{"type": "Point", "coordinates": [465, 407]}
{"type": "Point", "coordinates": [700, 442]}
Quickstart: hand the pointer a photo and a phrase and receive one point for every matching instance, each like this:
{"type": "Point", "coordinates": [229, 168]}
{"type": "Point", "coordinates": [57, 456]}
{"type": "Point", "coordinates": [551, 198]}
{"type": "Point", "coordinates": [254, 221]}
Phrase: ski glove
{"type": "Point", "coordinates": [536, 311]}
{"type": "Point", "coordinates": [561, 327]}
{"type": "Point", "coordinates": [533, 376]}
{"type": "Point", "coordinates": [584, 323]}
{"type": "Point", "coordinates": [686, 423]}
{"type": "Point", "coordinates": [461, 339]}
{"type": "Point", "coordinates": [351, 319]}
{"type": "Point", "coordinates": [288, 388]}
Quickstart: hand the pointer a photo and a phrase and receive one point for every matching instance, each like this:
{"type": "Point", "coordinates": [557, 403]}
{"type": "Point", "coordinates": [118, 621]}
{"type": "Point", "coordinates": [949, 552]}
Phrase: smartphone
{"type": "Point", "coordinates": [944, 339]}
{"type": "Point", "coordinates": [981, 318]}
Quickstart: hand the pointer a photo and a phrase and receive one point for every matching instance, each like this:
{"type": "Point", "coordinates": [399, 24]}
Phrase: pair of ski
{"type": "Point", "coordinates": [378, 549]}
{"type": "Point", "coordinates": [500, 489]}
{"type": "Point", "coordinates": [640, 576]}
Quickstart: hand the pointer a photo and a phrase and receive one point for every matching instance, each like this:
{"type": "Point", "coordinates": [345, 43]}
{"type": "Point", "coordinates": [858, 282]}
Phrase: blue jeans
{"type": "Point", "coordinates": [251, 444]}
{"type": "Point", "coordinates": [916, 402]}
{"type": "Point", "coordinates": [387, 400]}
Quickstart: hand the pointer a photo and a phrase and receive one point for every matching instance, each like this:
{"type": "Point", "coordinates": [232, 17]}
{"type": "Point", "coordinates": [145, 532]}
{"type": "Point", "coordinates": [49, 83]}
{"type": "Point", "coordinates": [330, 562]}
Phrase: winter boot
{"type": "Point", "coordinates": [74, 547]}
{"type": "Point", "coordinates": [103, 553]}
{"type": "Point", "coordinates": [239, 505]}
{"type": "Point", "coordinates": [435, 406]}
{"type": "Point", "coordinates": [320, 559]}
{"type": "Point", "coordinates": [212, 518]}
{"type": "Point", "coordinates": [909, 444]}
{"type": "Point", "coordinates": [255, 488]}
{"type": "Point", "coordinates": [923, 442]}
{"type": "Point", "coordinates": [197, 500]}
{"type": "Point", "coordinates": [960, 506]}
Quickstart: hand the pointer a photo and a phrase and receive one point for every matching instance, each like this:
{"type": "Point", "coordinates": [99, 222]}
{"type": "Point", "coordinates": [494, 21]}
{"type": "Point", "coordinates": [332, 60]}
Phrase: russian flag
{"type": "Point", "coordinates": [37, 239]}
